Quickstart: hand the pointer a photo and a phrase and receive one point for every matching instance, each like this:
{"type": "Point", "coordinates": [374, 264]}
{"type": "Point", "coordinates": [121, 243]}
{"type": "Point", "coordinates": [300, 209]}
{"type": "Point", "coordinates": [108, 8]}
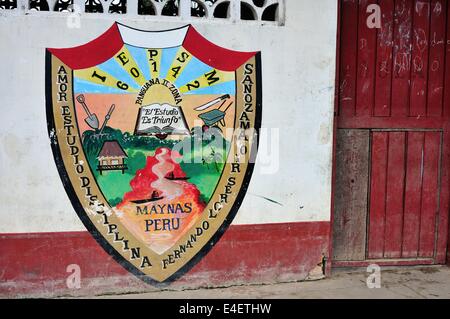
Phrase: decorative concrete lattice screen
{"type": "Point", "coordinates": [264, 11]}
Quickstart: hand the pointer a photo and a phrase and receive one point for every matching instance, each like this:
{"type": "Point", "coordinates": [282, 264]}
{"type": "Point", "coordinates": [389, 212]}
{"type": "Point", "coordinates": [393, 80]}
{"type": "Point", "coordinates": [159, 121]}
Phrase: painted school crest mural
{"type": "Point", "coordinates": [154, 135]}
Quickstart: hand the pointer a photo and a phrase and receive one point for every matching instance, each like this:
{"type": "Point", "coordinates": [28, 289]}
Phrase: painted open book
{"type": "Point", "coordinates": [161, 119]}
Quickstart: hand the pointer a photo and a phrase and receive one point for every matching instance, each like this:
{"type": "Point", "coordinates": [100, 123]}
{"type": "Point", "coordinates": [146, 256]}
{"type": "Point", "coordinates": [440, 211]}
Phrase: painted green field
{"type": "Point", "coordinates": [114, 185]}
{"type": "Point", "coordinates": [203, 167]}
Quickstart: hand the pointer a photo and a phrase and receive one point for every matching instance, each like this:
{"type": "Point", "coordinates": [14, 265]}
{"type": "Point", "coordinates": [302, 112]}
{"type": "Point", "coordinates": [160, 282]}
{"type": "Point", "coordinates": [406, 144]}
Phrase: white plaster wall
{"type": "Point", "coordinates": [298, 88]}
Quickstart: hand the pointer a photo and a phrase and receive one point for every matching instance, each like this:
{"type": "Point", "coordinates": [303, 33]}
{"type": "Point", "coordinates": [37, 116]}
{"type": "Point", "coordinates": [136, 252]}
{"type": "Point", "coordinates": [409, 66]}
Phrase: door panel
{"type": "Point", "coordinates": [394, 195]}
{"type": "Point", "coordinates": [404, 194]}
{"type": "Point", "coordinates": [430, 194]}
{"type": "Point", "coordinates": [380, 145]}
{"type": "Point", "coordinates": [413, 192]}
{"type": "Point", "coordinates": [352, 173]}
{"type": "Point", "coordinates": [386, 194]}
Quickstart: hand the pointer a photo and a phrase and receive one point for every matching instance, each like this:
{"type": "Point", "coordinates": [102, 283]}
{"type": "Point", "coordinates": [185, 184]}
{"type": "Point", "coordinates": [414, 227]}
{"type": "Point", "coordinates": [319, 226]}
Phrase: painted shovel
{"type": "Point", "coordinates": [92, 119]}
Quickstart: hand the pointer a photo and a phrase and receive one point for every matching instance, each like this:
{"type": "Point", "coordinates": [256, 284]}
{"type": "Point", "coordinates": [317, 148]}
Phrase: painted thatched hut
{"type": "Point", "coordinates": [111, 157]}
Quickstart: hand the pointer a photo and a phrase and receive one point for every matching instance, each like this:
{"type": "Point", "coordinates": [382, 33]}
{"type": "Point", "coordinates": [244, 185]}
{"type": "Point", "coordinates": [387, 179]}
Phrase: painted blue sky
{"type": "Point", "coordinates": [194, 69]}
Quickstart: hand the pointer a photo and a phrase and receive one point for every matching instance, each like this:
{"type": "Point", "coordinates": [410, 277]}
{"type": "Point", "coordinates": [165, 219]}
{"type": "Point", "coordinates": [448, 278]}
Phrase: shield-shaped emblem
{"type": "Point", "coordinates": [154, 135]}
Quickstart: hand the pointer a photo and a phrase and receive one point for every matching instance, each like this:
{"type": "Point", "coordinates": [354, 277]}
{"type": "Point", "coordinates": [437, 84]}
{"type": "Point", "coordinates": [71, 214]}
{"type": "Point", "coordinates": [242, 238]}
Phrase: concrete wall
{"type": "Point", "coordinates": [298, 91]}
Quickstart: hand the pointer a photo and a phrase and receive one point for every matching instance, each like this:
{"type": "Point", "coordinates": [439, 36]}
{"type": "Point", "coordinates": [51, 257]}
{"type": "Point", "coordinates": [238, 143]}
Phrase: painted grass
{"type": "Point", "coordinates": [114, 185]}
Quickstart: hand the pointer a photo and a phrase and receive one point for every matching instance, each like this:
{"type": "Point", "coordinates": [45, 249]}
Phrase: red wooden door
{"type": "Point", "coordinates": [394, 83]}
